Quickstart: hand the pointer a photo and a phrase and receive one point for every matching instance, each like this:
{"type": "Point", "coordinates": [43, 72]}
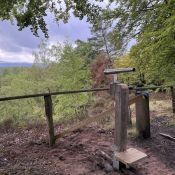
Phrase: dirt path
{"type": "Point", "coordinates": [25, 152]}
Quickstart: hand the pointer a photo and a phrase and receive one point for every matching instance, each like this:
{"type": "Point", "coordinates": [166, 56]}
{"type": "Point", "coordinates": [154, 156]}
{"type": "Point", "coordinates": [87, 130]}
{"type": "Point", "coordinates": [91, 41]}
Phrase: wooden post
{"type": "Point", "coordinates": [173, 98]}
{"type": "Point", "coordinates": [48, 112]}
{"type": "Point", "coordinates": [121, 94]}
{"type": "Point", "coordinates": [143, 117]}
{"type": "Point", "coordinates": [122, 156]}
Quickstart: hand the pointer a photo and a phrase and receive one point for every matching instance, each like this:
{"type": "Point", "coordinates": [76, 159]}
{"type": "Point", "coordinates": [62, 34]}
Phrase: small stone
{"type": "Point", "coordinates": [108, 167]}
{"type": "Point", "coordinates": [61, 158]}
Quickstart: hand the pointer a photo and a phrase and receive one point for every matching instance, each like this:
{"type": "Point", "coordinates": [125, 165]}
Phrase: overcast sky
{"type": "Point", "coordinates": [18, 46]}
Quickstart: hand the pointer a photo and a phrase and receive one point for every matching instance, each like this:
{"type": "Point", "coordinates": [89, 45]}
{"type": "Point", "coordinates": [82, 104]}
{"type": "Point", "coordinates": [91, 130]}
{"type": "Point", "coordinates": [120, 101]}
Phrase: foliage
{"type": "Point", "coordinates": [73, 74]}
{"type": "Point", "coordinates": [98, 67]}
{"type": "Point", "coordinates": [155, 53]}
{"type": "Point", "coordinates": [134, 17]}
{"type": "Point", "coordinates": [126, 61]}
{"type": "Point", "coordinates": [67, 72]}
{"type": "Point", "coordinates": [32, 13]}
{"type": "Point", "coordinates": [86, 51]}
{"type": "Point", "coordinates": [104, 41]}
{"type": "Point", "coordinates": [99, 39]}
{"type": "Point", "coordinates": [151, 23]}
{"type": "Point", "coordinates": [15, 81]}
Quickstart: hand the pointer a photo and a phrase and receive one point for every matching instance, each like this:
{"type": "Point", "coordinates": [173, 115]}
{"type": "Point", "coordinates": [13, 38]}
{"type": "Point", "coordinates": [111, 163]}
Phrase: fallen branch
{"type": "Point", "coordinates": [167, 136]}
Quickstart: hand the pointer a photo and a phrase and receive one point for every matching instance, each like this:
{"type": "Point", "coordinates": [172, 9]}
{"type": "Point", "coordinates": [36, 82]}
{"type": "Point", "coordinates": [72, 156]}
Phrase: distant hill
{"type": "Point", "coordinates": [14, 64]}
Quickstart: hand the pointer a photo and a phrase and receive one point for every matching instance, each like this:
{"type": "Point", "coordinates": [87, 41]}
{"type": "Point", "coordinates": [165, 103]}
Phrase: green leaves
{"type": "Point", "coordinates": [73, 74]}
{"type": "Point", "coordinates": [56, 68]}
{"type": "Point", "coordinates": [152, 24]}
{"type": "Point", "coordinates": [31, 13]}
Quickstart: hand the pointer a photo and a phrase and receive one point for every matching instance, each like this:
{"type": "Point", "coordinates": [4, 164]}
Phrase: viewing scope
{"type": "Point", "coordinates": [118, 70]}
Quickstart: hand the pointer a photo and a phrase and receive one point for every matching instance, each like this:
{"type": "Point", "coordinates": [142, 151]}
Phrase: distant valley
{"type": "Point", "coordinates": [4, 64]}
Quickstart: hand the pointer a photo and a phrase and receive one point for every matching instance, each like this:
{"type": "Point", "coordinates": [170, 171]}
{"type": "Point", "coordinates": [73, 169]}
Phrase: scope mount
{"type": "Point", "coordinates": [118, 70]}
{"type": "Point", "coordinates": [114, 72]}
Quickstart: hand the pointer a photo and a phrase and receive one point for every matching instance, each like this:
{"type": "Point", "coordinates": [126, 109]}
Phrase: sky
{"type": "Point", "coordinates": [18, 46]}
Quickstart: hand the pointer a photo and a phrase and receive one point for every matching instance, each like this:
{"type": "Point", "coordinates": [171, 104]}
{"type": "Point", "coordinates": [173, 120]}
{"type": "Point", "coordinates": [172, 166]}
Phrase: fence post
{"type": "Point", "coordinates": [49, 116]}
{"type": "Point", "coordinates": [143, 116]}
{"type": "Point", "coordinates": [120, 95]}
{"type": "Point", "coordinates": [173, 98]}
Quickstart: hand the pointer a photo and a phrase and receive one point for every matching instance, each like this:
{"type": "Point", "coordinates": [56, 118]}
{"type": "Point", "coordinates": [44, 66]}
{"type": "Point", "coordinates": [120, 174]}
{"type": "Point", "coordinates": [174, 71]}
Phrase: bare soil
{"type": "Point", "coordinates": [26, 151]}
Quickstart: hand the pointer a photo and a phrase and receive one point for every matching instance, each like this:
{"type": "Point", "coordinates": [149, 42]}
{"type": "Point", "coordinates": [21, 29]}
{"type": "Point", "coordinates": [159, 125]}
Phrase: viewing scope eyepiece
{"type": "Point", "coordinates": [118, 70]}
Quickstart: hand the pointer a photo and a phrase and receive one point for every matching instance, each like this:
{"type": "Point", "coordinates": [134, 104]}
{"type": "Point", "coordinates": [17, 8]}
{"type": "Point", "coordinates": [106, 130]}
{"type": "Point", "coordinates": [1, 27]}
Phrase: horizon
{"type": "Point", "coordinates": [2, 61]}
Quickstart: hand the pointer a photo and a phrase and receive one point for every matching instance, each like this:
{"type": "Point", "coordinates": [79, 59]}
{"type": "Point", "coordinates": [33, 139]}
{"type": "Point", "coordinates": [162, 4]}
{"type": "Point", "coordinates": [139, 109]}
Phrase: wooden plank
{"type": "Point", "coordinates": [133, 99]}
{"type": "Point", "coordinates": [143, 117]}
{"type": "Point", "coordinates": [49, 116]}
{"type": "Point", "coordinates": [130, 156]}
{"type": "Point", "coordinates": [121, 116]}
{"type": "Point", "coordinates": [86, 122]}
{"type": "Point", "coordinates": [173, 98]}
{"type": "Point", "coordinates": [89, 120]}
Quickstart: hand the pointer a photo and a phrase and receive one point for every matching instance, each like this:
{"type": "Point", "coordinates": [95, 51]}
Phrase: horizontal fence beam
{"type": "Point", "coordinates": [77, 91]}
{"type": "Point", "coordinates": [53, 93]}
{"type": "Point", "coordinates": [148, 88]}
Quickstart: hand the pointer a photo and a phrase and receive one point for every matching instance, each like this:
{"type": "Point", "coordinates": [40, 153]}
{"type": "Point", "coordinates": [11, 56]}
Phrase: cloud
{"type": "Point", "coordinates": [18, 46]}
{"type": "Point", "coordinates": [24, 56]}
{"type": "Point", "coordinates": [71, 31]}
{"type": "Point", "coordinates": [10, 34]}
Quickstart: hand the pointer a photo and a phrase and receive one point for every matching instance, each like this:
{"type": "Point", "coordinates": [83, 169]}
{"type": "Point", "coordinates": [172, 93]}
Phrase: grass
{"type": "Point", "coordinates": [161, 106]}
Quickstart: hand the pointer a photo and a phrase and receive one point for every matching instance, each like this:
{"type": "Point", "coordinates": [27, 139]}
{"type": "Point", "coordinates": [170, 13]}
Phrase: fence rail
{"type": "Point", "coordinates": [149, 88]}
{"type": "Point", "coordinates": [53, 93]}
{"type": "Point", "coordinates": [77, 91]}
{"type": "Point", "coordinates": [49, 108]}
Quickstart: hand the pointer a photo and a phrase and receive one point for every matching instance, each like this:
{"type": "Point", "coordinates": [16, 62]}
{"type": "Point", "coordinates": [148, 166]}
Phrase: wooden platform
{"type": "Point", "coordinates": [130, 156]}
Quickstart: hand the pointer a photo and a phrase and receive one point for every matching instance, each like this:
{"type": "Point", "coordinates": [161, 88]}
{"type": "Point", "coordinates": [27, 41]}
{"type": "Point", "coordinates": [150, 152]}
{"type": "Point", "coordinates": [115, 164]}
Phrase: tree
{"type": "Point", "coordinates": [102, 39]}
{"type": "Point", "coordinates": [31, 13]}
{"type": "Point", "coordinates": [155, 51]}
{"type": "Point", "coordinates": [86, 50]}
{"type": "Point", "coordinates": [43, 57]}
{"type": "Point", "coordinates": [151, 23]}
{"type": "Point", "coordinates": [133, 17]}
{"type": "Point", "coordinates": [68, 71]}
{"type": "Point", "coordinates": [73, 74]}
{"type": "Point", "coordinates": [97, 68]}
{"type": "Point", "coordinates": [126, 61]}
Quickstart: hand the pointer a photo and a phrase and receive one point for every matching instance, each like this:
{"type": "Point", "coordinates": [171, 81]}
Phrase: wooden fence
{"type": "Point", "coordinates": [141, 100]}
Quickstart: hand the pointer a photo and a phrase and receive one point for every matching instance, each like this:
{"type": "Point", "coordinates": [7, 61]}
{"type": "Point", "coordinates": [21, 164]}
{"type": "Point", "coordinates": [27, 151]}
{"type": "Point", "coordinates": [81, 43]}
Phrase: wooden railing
{"type": "Point", "coordinates": [142, 108]}
{"type": "Point", "coordinates": [48, 105]}
{"type": "Point", "coordinates": [52, 93]}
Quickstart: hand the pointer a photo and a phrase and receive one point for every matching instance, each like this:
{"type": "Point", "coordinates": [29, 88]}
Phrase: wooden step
{"type": "Point", "coordinates": [130, 156]}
